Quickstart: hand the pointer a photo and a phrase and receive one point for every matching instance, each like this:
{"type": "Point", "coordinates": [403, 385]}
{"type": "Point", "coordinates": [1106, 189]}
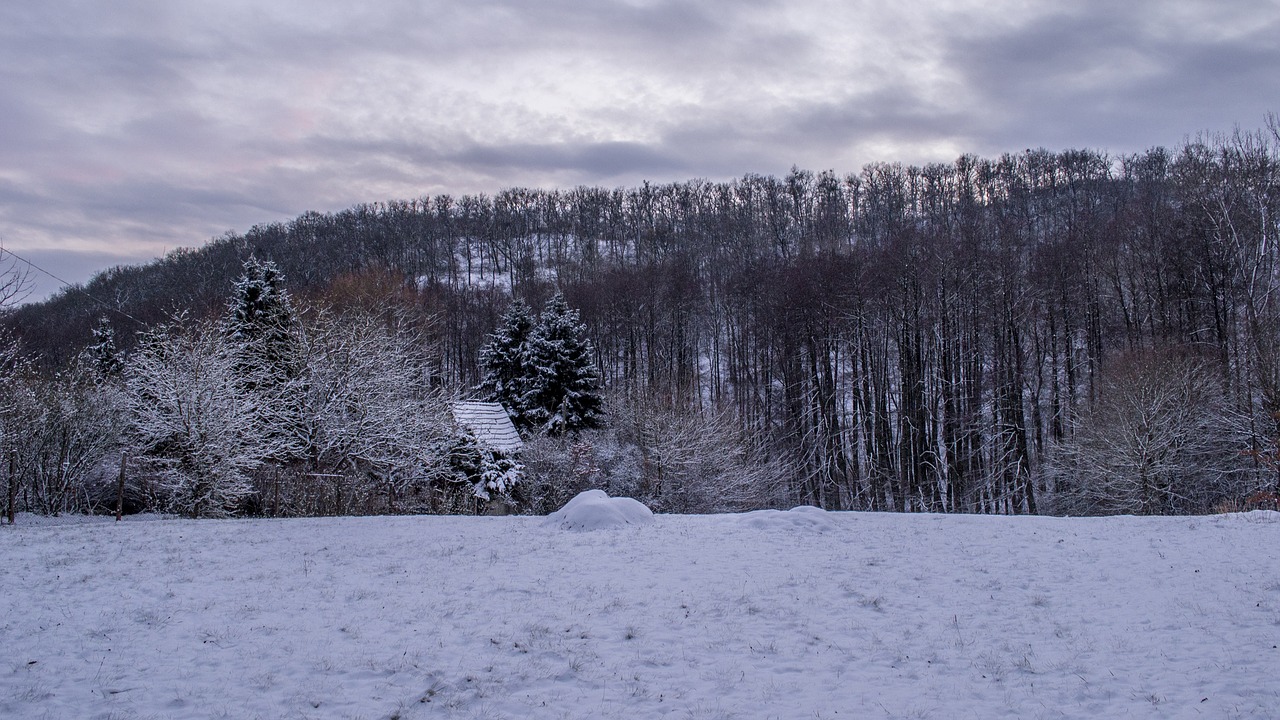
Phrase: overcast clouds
{"type": "Point", "coordinates": [129, 128]}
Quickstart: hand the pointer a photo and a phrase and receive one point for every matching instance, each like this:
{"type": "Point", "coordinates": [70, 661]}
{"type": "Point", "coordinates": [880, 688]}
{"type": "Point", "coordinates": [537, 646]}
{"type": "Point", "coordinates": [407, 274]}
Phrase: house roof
{"type": "Point", "coordinates": [491, 425]}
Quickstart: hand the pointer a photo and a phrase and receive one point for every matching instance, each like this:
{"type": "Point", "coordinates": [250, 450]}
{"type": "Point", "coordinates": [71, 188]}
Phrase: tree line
{"type": "Point", "coordinates": [1038, 332]}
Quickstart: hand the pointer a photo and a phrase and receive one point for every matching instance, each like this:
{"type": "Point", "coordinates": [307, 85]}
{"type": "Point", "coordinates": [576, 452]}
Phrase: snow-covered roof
{"type": "Point", "coordinates": [491, 425]}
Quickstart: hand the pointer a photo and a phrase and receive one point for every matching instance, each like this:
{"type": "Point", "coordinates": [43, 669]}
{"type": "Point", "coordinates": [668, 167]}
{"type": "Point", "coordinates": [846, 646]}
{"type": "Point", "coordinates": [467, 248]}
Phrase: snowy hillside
{"type": "Point", "coordinates": [765, 615]}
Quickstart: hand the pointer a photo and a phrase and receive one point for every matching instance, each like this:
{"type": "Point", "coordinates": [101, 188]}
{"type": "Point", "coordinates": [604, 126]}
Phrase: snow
{"type": "Point", "coordinates": [747, 616]}
{"type": "Point", "coordinates": [803, 518]}
{"type": "Point", "coordinates": [595, 510]}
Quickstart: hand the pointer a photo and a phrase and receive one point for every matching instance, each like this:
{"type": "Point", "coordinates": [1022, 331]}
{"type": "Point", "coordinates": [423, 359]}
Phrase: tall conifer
{"type": "Point", "coordinates": [563, 391]}
{"type": "Point", "coordinates": [504, 361]}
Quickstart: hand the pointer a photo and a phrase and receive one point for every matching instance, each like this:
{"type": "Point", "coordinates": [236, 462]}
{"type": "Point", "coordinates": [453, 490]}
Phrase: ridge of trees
{"type": "Point", "coordinates": [938, 337]}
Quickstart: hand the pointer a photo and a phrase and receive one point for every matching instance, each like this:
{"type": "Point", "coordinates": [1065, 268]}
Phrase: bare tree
{"type": "Point", "coordinates": [191, 422]}
{"type": "Point", "coordinates": [369, 412]}
{"type": "Point", "coordinates": [15, 279]}
{"type": "Point", "coordinates": [62, 431]}
{"type": "Point", "coordinates": [1158, 440]}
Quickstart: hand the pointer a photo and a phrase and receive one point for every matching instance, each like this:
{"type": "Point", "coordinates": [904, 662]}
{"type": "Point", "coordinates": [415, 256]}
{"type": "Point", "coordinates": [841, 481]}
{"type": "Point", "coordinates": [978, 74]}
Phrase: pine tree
{"type": "Point", "coordinates": [504, 360]}
{"type": "Point", "coordinates": [562, 392]}
{"type": "Point", "coordinates": [485, 470]}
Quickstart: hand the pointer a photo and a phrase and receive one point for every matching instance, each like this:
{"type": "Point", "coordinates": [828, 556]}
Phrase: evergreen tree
{"type": "Point", "coordinates": [562, 392]}
{"type": "Point", "coordinates": [261, 323]}
{"type": "Point", "coordinates": [103, 356]}
{"type": "Point", "coordinates": [262, 329]}
{"type": "Point", "coordinates": [504, 360]}
{"type": "Point", "coordinates": [485, 470]}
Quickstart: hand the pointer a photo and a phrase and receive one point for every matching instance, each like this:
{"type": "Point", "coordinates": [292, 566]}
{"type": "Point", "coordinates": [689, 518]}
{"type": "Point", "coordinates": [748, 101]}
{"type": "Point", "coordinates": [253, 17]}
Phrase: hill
{"type": "Point", "coordinates": [962, 337]}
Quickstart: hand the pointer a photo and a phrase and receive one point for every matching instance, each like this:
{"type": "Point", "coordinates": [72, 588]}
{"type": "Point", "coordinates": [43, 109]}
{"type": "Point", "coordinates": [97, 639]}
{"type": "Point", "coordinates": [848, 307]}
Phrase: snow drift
{"type": "Point", "coordinates": [595, 510]}
{"type": "Point", "coordinates": [805, 517]}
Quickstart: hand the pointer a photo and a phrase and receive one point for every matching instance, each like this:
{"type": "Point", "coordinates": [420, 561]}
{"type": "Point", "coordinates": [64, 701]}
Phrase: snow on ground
{"type": "Point", "coordinates": [754, 616]}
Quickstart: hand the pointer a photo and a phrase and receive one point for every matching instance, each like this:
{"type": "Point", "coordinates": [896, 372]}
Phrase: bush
{"type": "Point", "coordinates": [672, 461]}
{"type": "Point", "coordinates": [1158, 440]}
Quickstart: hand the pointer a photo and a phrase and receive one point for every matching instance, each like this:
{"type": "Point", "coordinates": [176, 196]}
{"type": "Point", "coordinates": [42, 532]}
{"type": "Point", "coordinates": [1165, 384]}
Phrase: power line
{"type": "Point", "coordinates": [78, 288]}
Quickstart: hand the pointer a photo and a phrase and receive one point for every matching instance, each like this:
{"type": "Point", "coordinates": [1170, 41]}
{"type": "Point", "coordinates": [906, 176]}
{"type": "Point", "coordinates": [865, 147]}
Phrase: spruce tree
{"type": "Point", "coordinates": [261, 327]}
{"type": "Point", "coordinates": [504, 362]}
{"type": "Point", "coordinates": [261, 324]}
{"type": "Point", "coordinates": [103, 356]}
{"type": "Point", "coordinates": [563, 392]}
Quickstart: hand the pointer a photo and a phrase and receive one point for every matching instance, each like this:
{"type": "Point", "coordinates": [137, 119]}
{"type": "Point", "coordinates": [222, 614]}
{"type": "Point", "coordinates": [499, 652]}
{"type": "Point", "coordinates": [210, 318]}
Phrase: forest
{"type": "Point", "coordinates": [1042, 332]}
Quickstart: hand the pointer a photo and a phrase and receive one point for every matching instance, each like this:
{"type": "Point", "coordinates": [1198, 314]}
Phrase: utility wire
{"type": "Point", "coordinates": [78, 288]}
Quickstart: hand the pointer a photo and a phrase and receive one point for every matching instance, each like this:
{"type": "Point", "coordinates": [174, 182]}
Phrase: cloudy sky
{"type": "Point", "coordinates": [129, 128]}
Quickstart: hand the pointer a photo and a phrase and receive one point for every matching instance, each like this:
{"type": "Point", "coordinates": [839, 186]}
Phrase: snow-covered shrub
{"type": "Point", "coordinates": [486, 472]}
{"type": "Point", "coordinates": [499, 475]}
{"type": "Point", "coordinates": [192, 425]}
{"type": "Point", "coordinates": [679, 462]}
{"type": "Point", "coordinates": [60, 432]}
{"type": "Point", "coordinates": [367, 410]}
{"type": "Point", "coordinates": [558, 468]}
{"type": "Point", "coordinates": [697, 462]}
{"type": "Point", "coordinates": [595, 510]}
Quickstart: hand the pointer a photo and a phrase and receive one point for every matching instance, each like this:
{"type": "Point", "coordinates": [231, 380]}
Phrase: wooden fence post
{"type": "Point", "coordinates": [13, 485]}
{"type": "Point", "coordinates": [120, 488]}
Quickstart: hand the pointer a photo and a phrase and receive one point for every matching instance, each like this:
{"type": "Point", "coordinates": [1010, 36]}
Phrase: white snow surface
{"type": "Point", "coordinates": [595, 510]}
{"type": "Point", "coordinates": [715, 617]}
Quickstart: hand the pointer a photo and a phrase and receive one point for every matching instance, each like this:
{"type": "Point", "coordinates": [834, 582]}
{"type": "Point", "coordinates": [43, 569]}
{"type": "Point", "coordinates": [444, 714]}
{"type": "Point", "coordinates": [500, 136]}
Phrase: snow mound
{"type": "Point", "coordinates": [595, 510]}
{"type": "Point", "coordinates": [1256, 516]}
{"type": "Point", "coordinates": [805, 517]}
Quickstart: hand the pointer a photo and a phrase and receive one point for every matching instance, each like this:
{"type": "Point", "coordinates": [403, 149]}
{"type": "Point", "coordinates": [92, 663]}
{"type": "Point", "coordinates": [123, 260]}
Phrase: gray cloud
{"type": "Point", "coordinates": [69, 267]}
{"type": "Point", "coordinates": [131, 128]}
{"type": "Point", "coordinates": [1122, 76]}
{"type": "Point", "coordinates": [603, 160]}
{"type": "Point", "coordinates": [897, 112]}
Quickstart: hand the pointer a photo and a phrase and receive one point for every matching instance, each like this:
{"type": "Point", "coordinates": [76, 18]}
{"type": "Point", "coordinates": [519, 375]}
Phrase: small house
{"type": "Point", "coordinates": [490, 424]}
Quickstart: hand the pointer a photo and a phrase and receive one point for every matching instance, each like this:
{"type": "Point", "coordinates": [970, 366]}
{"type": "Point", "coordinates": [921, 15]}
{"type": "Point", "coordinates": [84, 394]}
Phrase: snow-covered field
{"type": "Point", "coordinates": [767, 615]}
